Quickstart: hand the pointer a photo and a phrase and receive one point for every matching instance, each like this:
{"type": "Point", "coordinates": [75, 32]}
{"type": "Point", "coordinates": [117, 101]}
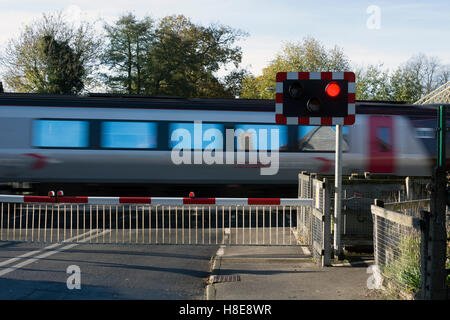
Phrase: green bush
{"type": "Point", "coordinates": [404, 271]}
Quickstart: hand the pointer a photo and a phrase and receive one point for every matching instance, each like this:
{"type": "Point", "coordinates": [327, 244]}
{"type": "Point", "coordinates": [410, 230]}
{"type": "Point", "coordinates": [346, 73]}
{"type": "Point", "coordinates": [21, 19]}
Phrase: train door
{"type": "Point", "coordinates": [381, 144]}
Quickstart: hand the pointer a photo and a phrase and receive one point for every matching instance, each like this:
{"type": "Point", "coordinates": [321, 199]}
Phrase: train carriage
{"type": "Point", "coordinates": [110, 144]}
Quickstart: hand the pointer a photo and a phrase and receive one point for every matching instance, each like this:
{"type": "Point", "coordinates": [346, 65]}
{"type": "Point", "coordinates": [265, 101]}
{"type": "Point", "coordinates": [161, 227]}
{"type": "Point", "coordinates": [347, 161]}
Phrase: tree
{"type": "Point", "coordinates": [185, 58]}
{"type": "Point", "coordinates": [64, 69]}
{"type": "Point", "coordinates": [129, 41]}
{"type": "Point", "coordinates": [417, 77]}
{"type": "Point", "coordinates": [410, 81]}
{"type": "Point", "coordinates": [444, 74]}
{"type": "Point", "coordinates": [406, 85]}
{"type": "Point", "coordinates": [307, 55]}
{"type": "Point", "coordinates": [258, 87]}
{"type": "Point", "coordinates": [171, 57]}
{"type": "Point", "coordinates": [372, 83]}
{"type": "Point", "coordinates": [424, 69]}
{"type": "Point", "coordinates": [252, 87]}
{"type": "Point", "coordinates": [51, 56]}
{"type": "Point", "coordinates": [234, 82]}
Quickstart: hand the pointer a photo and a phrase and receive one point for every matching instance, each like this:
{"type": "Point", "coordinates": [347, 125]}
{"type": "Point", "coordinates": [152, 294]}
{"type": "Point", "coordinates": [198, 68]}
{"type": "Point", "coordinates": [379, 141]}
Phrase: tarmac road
{"type": "Point", "coordinates": [172, 272]}
{"type": "Point", "coordinates": [107, 271]}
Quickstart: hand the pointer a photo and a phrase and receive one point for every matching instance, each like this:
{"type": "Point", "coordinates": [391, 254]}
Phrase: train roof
{"type": "Point", "coordinates": [105, 100]}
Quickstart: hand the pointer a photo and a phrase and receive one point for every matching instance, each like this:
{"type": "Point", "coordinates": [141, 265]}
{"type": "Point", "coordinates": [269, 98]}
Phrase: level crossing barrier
{"type": "Point", "coordinates": [154, 220]}
{"type": "Point", "coordinates": [169, 220]}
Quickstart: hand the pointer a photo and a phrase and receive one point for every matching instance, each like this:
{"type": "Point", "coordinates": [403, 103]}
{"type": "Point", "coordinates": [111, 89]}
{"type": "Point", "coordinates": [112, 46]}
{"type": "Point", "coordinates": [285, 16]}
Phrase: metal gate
{"type": "Point", "coordinates": [145, 220]}
{"type": "Point", "coordinates": [314, 222]}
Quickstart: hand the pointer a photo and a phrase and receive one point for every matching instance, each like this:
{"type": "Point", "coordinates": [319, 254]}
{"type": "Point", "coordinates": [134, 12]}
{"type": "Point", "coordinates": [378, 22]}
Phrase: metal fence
{"type": "Point", "coordinates": [321, 222]}
{"type": "Point", "coordinates": [358, 194]}
{"type": "Point", "coordinates": [398, 245]}
{"type": "Point", "coordinates": [198, 221]}
{"type": "Point", "coordinates": [304, 215]}
{"type": "Point", "coordinates": [314, 223]}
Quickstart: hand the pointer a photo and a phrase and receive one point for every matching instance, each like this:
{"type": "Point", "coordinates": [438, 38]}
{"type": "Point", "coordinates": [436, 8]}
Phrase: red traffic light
{"type": "Point", "coordinates": [333, 89]}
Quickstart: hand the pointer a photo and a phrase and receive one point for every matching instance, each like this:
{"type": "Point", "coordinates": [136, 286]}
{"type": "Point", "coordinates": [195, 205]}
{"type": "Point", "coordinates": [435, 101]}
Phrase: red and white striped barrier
{"type": "Point", "coordinates": [26, 199]}
{"type": "Point", "coordinates": [159, 200]}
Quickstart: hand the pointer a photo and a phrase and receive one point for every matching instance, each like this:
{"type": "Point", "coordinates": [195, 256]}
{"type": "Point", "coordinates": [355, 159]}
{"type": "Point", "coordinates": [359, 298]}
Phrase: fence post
{"type": "Point", "coordinates": [409, 188]}
{"type": "Point", "coordinates": [300, 196]}
{"type": "Point", "coordinates": [310, 220]}
{"type": "Point", "coordinates": [376, 229]}
{"type": "Point", "coordinates": [424, 256]}
{"type": "Point", "coordinates": [326, 224]}
{"type": "Point", "coordinates": [437, 233]}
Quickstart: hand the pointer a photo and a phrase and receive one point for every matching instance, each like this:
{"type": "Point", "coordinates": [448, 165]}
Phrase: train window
{"type": "Point", "coordinates": [384, 139]}
{"type": "Point", "coordinates": [425, 133]}
{"type": "Point", "coordinates": [321, 138]}
{"type": "Point", "coordinates": [60, 134]}
{"type": "Point", "coordinates": [260, 137]}
{"type": "Point", "coordinates": [196, 136]}
{"type": "Point", "coordinates": [129, 135]}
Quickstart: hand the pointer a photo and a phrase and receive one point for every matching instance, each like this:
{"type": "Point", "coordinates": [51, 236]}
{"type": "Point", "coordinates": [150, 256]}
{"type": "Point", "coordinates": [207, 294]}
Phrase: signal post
{"type": "Point", "coordinates": [319, 99]}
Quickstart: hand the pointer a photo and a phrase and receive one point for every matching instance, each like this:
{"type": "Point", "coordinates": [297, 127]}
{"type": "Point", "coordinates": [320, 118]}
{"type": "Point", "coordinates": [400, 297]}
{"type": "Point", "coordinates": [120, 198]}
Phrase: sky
{"type": "Point", "coordinates": [369, 32]}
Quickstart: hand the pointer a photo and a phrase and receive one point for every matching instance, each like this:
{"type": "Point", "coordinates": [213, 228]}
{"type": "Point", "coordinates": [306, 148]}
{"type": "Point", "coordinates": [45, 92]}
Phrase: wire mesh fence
{"type": "Point", "coordinates": [314, 227]}
{"type": "Point", "coordinates": [398, 242]}
{"type": "Point", "coordinates": [304, 218]}
{"type": "Point", "coordinates": [358, 194]}
{"type": "Point", "coordinates": [411, 208]}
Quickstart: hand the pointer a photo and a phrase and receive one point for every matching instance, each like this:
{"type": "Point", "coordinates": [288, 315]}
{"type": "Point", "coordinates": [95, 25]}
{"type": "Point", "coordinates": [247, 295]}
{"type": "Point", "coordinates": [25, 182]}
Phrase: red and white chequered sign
{"type": "Point", "coordinates": [319, 121]}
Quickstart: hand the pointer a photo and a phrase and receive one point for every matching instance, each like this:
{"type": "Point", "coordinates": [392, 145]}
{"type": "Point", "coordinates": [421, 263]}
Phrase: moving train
{"type": "Point", "coordinates": [103, 144]}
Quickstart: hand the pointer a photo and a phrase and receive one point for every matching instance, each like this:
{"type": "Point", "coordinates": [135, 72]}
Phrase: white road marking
{"type": "Point", "coordinates": [25, 255]}
{"type": "Point", "coordinates": [46, 254]}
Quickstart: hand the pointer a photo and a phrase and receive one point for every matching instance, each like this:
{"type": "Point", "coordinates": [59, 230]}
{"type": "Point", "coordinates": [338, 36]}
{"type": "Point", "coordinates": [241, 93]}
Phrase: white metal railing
{"type": "Point", "coordinates": [194, 221]}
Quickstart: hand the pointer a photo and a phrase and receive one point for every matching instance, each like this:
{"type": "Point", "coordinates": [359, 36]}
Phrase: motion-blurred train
{"type": "Point", "coordinates": [124, 145]}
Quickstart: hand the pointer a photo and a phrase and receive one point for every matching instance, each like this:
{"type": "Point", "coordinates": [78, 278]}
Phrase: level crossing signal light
{"type": "Point", "coordinates": [315, 98]}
